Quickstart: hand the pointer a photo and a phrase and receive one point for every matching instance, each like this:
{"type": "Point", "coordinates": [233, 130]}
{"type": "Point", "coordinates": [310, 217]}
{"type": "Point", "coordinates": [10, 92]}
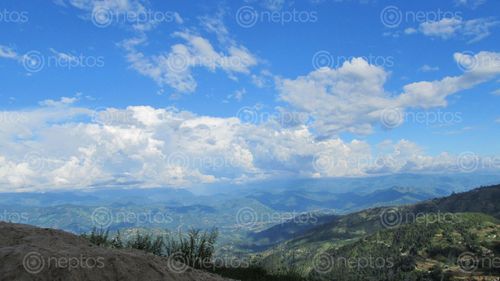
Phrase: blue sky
{"type": "Point", "coordinates": [417, 82]}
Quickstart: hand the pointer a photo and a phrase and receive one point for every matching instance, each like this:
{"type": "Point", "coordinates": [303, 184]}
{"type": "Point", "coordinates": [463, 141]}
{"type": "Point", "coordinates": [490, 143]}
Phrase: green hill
{"type": "Point", "coordinates": [416, 250]}
{"type": "Point", "coordinates": [361, 230]}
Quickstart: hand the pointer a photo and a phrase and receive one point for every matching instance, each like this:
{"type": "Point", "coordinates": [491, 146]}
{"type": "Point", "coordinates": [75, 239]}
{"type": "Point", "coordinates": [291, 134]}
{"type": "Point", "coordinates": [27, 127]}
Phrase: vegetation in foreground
{"type": "Point", "coordinates": [194, 248]}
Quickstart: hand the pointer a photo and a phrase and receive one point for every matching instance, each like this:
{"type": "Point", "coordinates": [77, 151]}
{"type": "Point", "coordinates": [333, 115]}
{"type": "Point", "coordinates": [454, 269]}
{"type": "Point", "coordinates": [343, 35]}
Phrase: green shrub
{"type": "Point", "coordinates": [98, 237]}
{"type": "Point", "coordinates": [147, 243]}
{"type": "Point", "coordinates": [195, 248]}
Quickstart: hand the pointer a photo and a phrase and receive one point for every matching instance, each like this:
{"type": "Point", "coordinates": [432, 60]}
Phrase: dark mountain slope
{"type": "Point", "coordinates": [347, 229]}
{"type": "Point", "coordinates": [481, 200]}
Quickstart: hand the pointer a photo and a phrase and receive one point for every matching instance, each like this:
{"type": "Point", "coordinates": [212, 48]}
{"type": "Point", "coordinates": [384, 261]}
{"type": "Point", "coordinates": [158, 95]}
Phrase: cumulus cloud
{"type": "Point", "coordinates": [339, 99]}
{"type": "Point", "coordinates": [352, 97]}
{"type": "Point", "coordinates": [73, 147]}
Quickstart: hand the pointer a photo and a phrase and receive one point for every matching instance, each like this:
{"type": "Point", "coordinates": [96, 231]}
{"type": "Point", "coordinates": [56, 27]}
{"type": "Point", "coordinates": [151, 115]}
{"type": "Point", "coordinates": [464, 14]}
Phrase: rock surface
{"type": "Point", "coordinates": [31, 253]}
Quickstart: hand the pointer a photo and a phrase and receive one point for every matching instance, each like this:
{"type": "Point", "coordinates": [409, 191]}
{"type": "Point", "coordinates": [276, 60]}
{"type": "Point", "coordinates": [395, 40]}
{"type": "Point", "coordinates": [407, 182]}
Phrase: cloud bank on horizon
{"type": "Point", "coordinates": [157, 94]}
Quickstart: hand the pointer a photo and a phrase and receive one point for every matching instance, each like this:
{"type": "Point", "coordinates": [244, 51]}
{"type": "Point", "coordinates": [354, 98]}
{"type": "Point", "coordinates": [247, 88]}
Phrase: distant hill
{"type": "Point", "coordinates": [166, 209]}
{"type": "Point", "coordinates": [481, 200]}
{"type": "Point", "coordinates": [427, 183]}
{"type": "Point", "coordinates": [337, 203]}
{"type": "Point", "coordinates": [303, 200]}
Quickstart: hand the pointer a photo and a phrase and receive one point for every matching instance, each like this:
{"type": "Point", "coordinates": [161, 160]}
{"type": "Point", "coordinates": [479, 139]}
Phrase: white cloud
{"type": "Point", "coordinates": [8, 53]}
{"type": "Point", "coordinates": [352, 97]}
{"type": "Point", "coordinates": [178, 18]}
{"type": "Point", "coordinates": [263, 79]}
{"type": "Point", "coordinates": [457, 131]}
{"type": "Point", "coordinates": [428, 68]}
{"type": "Point", "coordinates": [410, 30]}
{"type": "Point", "coordinates": [445, 28]}
{"type": "Point", "coordinates": [114, 7]}
{"type": "Point", "coordinates": [63, 101]}
{"type": "Point", "coordinates": [470, 3]}
{"type": "Point", "coordinates": [471, 30]}
{"type": "Point", "coordinates": [215, 24]}
{"type": "Point", "coordinates": [135, 13]}
{"type": "Point", "coordinates": [237, 95]}
{"type": "Point", "coordinates": [174, 68]}
{"type": "Point", "coordinates": [339, 99]}
{"type": "Point", "coordinates": [90, 4]}
{"type": "Point", "coordinates": [273, 5]}
{"type": "Point", "coordinates": [67, 57]}
{"type": "Point", "coordinates": [481, 67]}
{"type": "Point", "coordinates": [70, 147]}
